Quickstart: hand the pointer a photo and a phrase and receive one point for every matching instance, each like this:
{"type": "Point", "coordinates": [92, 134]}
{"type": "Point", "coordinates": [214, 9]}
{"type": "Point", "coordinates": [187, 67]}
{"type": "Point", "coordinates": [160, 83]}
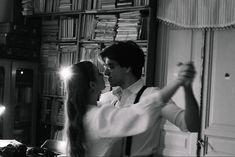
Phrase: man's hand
{"type": "Point", "coordinates": [186, 73]}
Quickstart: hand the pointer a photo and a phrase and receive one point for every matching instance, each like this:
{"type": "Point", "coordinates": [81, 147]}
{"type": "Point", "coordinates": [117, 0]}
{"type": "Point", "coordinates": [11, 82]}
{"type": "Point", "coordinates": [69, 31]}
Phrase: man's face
{"type": "Point", "coordinates": [99, 78]}
{"type": "Point", "coordinates": [116, 74]}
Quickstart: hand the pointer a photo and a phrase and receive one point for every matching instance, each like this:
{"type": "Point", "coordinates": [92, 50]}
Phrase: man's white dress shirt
{"type": "Point", "coordinates": [147, 142]}
{"type": "Point", "coordinates": [105, 124]}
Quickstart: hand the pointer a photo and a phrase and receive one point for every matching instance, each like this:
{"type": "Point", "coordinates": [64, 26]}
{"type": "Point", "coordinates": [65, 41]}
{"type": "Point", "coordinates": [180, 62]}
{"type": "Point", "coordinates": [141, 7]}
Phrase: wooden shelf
{"type": "Point", "coordinates": [105, 41]}
{"type": "Point", "coordinates": [94, 11]}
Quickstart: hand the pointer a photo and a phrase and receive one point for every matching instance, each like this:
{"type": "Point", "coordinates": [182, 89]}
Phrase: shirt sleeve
{"type": "Point", "coordinates": [107, 99]}
{"type": "Point", "coordinates": [109, 121]}
{"type": "Point", "coordinates": [172, 112]}
{"type": "Point", "coordinates": [175, 115]}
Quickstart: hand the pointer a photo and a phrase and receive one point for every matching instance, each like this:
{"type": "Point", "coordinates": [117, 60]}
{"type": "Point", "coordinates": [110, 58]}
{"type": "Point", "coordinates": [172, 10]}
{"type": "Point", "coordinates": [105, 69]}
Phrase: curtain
{"type": "Point", "coordinates": [197, 13]}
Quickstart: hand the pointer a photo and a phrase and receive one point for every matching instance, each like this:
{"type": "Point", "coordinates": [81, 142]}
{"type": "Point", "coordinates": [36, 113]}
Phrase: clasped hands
{"type": "Point", "coordinates": [186, 73]}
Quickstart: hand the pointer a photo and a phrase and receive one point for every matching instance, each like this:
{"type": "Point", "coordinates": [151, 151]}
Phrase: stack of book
{"type": "Point", "coordinates": [68, 54]}
{"type": "Point", "coordinates": [57, 112]}
{"type": "Point", "coordinates": [107, 4]}
{"type": "Point", "coordinates": [105, 27]}
{"type": "Point", "coordinates": [90, 52]}
{"type": "Point", "coordinates": [42, 6]}
{"type": "Point", "coordinates": [128, 26]}
{"type": "Point", "coordinates": [27, 6]}
{"type": "Point", "coordinates": [49, 55]}
{"type": "Point", "coordinates": [50, 30]}
{"type": "Point", "coordinates": [65, 5]}
{"type": "Point", "coordinates": [124, 3]}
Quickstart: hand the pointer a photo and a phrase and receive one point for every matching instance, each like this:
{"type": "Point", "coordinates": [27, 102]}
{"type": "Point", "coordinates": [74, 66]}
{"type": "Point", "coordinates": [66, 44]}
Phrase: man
{"type": "Point", "coordinates": [124, 62]}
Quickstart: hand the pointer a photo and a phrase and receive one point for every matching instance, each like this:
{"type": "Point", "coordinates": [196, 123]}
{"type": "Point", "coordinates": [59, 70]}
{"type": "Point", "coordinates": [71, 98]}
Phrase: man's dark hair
{"type": "Point", "coordinates": [126, 54]}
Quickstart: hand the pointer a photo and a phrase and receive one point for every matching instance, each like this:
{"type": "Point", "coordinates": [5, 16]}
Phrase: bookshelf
{"type": "Point", "coordinates": [74, 30]}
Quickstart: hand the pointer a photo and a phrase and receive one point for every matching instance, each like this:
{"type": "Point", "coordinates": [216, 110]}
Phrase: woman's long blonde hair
{"type": "Point", "coordinates": [76, 103]}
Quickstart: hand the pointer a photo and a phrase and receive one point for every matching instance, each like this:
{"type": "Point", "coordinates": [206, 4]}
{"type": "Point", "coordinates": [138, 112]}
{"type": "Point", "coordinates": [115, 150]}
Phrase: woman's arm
{"type": "Point", "coordinates": [109, 121]}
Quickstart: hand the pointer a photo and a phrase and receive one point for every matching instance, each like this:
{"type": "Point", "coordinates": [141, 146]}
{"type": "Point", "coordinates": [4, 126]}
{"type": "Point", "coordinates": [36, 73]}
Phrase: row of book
{"type": "Point", "coordinates": [49, 56]}
{"type": "Point", "coordinates": [54, 55]}
{"type": "Point", "coordinates": [86, 27]}
{"type": "Point", "coordinates": [65, 28]}
{"type": "Point", "coordinates": [27, 7]}
{"type": "Point", "coordinates": [129, 24]}
{"type": "Point", "coordinates": [110, 27]}
{"type": "Point", "coordinates": [50, 30]}
{"type": "Point", "coordinates": [66, 55]}
{"type": "Point", "coordinates": [106, 27]}
{"type": "Point", "coordinates": [90, 52]}
{"type": "Point", "coordinates": [68, 28]}
{"type": "Point", "coordinates": [52, 110]}
{"type": "Point", "coordinates": [48, 6]}
{"type": "Point", "coordinates": [51, 83]}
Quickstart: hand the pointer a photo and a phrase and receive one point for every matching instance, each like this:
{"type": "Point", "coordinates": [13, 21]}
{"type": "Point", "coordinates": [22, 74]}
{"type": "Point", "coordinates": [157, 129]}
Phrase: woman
{"type": "Point", "coordinates": [91, 127]}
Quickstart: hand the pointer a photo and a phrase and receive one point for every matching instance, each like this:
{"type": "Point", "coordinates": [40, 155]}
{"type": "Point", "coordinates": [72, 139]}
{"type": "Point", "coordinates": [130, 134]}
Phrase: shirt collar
{"type": "Point", "coordinates": [134, 88]}
{"type": "Point", "coordinates": [117, 91]}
